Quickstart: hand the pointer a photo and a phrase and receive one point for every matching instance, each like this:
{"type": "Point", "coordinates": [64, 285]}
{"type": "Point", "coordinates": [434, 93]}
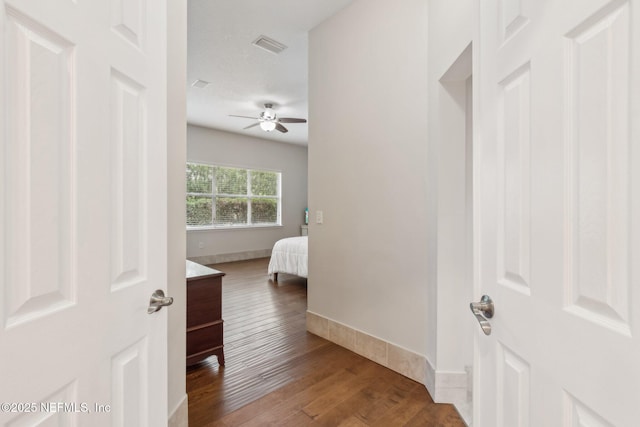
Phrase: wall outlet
{"type": "Point", "coordinates": [319, 217]}
{"type": "Point", "coordinates": [201, 245]}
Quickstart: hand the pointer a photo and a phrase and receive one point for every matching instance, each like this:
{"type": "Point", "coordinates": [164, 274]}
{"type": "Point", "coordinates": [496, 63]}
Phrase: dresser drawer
{"type": "Point", "coordinates": [204, 338]}
{"type": "Point", "coordinates": [204, 303]}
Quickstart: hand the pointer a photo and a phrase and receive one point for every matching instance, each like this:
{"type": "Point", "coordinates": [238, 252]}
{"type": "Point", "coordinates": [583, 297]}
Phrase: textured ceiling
{"type": "Point", "coordinates": [244, 77]}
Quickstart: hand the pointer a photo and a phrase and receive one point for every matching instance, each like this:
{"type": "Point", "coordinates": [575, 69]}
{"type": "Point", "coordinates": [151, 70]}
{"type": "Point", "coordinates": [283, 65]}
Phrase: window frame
{"type": "Point", "coordinates": [249, 196]}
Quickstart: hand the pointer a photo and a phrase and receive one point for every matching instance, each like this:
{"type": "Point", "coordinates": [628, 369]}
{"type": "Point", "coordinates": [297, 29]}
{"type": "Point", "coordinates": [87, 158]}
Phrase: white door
{"type": "Point", "coordinates": [558, 213]}
{"type": "Point", "coordinates": [83, 223]}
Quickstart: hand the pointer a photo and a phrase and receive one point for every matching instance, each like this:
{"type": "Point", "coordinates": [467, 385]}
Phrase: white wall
{"type": "Point", "coordinates": [368, 170]}
{"type": "Point", "coordinates": [211, 146]}
{"type": "Point", "coordinates": [389, 258]}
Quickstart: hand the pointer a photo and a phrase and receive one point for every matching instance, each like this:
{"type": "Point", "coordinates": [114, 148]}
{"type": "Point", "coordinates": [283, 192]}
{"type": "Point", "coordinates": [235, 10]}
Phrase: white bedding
{"type": "Point", "coordinates": [290, 256]}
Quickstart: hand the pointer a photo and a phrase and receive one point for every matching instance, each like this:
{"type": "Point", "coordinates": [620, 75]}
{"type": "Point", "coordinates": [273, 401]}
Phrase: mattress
{"type": "Point", "coordinates": [290, 256]}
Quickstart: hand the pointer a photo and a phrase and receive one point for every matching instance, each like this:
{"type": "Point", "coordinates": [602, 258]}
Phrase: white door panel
{"type": "Point", "coordinates": [558, 198]}
{"type": "Point", "coordinates": [83, 225]}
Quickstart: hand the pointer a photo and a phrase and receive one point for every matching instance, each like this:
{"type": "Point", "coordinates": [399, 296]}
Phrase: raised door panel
{"type": "Point", "coordinates": [577, 414]}
{"type": "Point", "coordinates": [128, 182]}
{"type": "Point", "coordinates": [514, 196]}
{"type": "Point", "coordinates": [38, 233]}
{"type": "Point", "coordinates": [130, 386]}
{"type": "Point", "coordinates": [599, 145]}
{"type": "Point", "coordinates": [513, 389]}
{"type": "Point", "coordinates": [58, 409]}
{"type": "Point", "coordinates": [128, 20]}
{"type": "Point", "coordinates": [512, 17]}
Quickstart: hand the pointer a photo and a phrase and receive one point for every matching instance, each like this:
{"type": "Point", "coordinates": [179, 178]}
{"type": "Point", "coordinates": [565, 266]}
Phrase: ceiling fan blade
{"type": "Point", "coordinates": [281, 128]}
{"type": "Point", "coordinates": [291, 120]}
{"type": "Point", "coordinates": [244, 117]}
{"type": "Point", "coordinates": [250, 126]}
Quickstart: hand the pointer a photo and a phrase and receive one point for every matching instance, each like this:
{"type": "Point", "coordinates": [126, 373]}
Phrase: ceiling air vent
{"type": "Point", "coordinates": [269, 44]}
{"type": "Point", "coordinates": [200, 84]}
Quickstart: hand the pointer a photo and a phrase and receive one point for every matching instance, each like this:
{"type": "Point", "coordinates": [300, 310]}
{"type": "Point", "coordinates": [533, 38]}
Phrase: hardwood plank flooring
{"type": "Point", "coordinates": [278, 374]}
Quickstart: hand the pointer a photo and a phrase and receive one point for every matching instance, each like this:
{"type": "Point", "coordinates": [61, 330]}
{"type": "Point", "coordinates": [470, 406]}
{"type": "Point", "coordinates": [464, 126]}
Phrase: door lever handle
{"type": "Point", "coordinates": [483, 310]}
{"type": "Point", "coordinates": [158, 300]}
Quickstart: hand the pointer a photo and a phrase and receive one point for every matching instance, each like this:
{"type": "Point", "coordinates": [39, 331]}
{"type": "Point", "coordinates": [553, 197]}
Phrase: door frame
{"type": "Point", "coordinates": [177, 406]}
{"type": "Point", "coordinates": [450, 380]}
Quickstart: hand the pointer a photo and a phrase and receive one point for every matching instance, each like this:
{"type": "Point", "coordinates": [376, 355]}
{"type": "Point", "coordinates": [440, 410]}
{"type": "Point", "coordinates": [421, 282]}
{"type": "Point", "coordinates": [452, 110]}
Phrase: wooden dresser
{"type": "Point", "coordinates": [204, 313]}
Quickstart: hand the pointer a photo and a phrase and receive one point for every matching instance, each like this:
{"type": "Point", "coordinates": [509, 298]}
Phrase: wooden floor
{"type": "Point", "coordinates": [278, 374]}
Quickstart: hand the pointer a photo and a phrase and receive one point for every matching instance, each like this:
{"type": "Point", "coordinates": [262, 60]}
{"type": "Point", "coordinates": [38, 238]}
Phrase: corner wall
{"type": "Point", "coordinates": [368, 171]}
{"type": "Point", "coordinates": [223, 148]}
{"type": "Point", "coordinates": [376, 117]}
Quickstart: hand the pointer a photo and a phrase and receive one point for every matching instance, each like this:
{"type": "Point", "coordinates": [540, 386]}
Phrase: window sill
{"type": "Point", "coordinates": [236, 227]}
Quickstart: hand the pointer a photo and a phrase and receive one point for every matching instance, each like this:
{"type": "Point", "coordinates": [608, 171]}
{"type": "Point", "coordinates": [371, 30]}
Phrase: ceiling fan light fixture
{"type": "Point", "coordinates": [269, 121]}
{"type": "Point", "coordinates": [269, 114]}
{"type": "Point", "coordinates": [267, 126]}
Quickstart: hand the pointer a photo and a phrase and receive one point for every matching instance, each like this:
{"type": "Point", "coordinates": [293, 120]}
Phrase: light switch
{"type": "Point", "coordinates": [319, 217]}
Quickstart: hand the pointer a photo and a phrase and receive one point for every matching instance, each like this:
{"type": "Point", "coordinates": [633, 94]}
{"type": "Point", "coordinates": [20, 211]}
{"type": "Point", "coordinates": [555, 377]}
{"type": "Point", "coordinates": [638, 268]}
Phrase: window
{"type": "Point", "coordinates": [223, 197]}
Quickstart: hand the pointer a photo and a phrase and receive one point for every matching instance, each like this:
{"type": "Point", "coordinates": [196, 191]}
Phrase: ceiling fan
{"type": "Point", "coordinates": [268, 120]}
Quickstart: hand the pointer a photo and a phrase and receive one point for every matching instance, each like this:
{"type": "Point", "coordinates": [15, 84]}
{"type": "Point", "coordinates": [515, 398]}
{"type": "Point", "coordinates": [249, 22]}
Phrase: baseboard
{"type": "Point", "coordinates": [394, 357]}
{"type": "Point", "coordinates": [180, 416]}
{"type": "Point", "coordinates": [450, 387]}
{"type": "Point", "coordinates": [444, 387]}
{"type": "Point", "coordinates": [236, 256]}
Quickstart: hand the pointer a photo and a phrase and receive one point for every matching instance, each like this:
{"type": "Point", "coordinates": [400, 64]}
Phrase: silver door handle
{"type": "Point", "coordinates": [158, 300]}
{"type": "Point", "coordinates": [484, 307]}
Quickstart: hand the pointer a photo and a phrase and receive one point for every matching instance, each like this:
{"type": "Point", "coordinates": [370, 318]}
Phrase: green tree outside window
{"type": "Point", "coordinates": [222, 197]}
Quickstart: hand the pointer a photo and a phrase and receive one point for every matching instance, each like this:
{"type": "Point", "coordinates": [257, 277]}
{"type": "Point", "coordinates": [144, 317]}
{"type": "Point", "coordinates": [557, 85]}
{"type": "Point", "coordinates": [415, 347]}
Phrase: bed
{"type": "Point", "coordinates": [289, 256]}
